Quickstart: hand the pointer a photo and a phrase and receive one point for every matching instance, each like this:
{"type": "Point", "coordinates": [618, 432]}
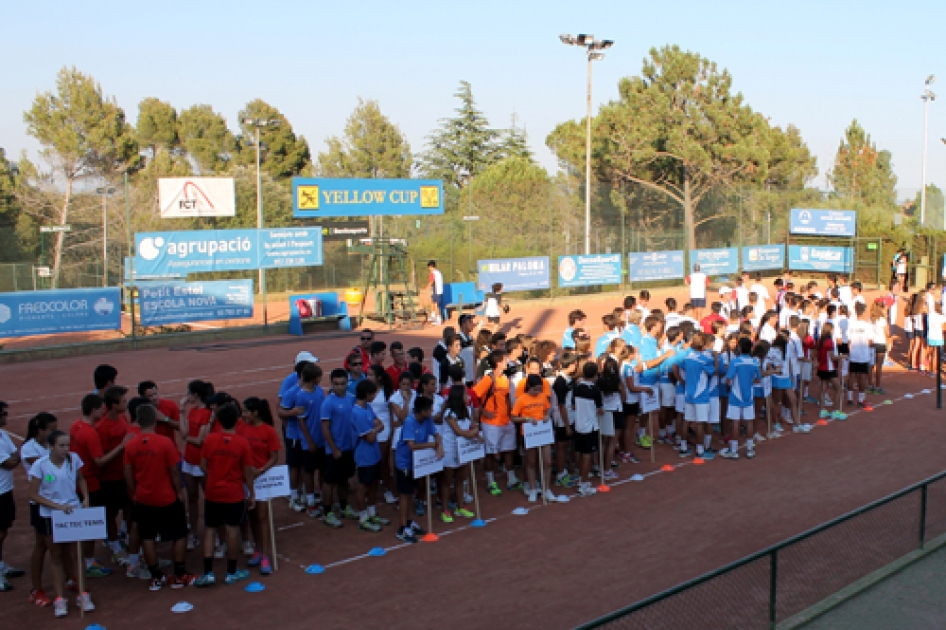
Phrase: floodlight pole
{"type": "Point", "coordinates": [927, 97]}
{"type": "Point", "coordinates": [257, 123]}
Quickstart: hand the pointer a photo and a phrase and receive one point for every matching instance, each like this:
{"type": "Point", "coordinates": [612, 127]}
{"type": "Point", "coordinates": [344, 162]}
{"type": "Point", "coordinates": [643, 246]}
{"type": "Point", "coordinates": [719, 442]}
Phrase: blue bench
{"type": "Point", "coordinates": [452, 292]}
{"type": "Point", "coordinates": [333, 310]}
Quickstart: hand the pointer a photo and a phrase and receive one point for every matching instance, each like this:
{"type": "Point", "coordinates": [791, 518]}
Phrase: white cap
{"type": "Point", "coordinates": [306, 356]}
{"type": "Point", "coordinates": [724, 290]}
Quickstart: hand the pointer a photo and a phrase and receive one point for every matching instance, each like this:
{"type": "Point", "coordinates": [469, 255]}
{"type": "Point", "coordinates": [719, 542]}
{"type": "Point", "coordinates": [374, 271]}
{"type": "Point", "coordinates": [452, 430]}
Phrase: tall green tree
{"type": "Point", "coordinates": [678, 130]}
{"type": "Point", "coordinates": [862, 173]}
{"type": "Point", "coordinates": [934, 207]}
{"type": "Point", "coordinates": [285, 154]}
{"type": "Point", "coordinates": [9, 212]}
{"type": "Point", "coordinates": [83, 135]}
{"type": "Point", "coordinates": [463, 145]}
{"type": "Point", "coordinates": [157, 125]}
{"type": "Point", "coordinates": [371, 146]}
{"type": "Point", "coordinates": [204, 135]}
{"type": "Point", "coordinates": [514, 142]}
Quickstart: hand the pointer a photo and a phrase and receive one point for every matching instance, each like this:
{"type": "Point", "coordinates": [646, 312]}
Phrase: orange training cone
{"type": "Point", "coordinates": [666, 468]}
{"type": "Point", "coordinates": [699, 460]}
{"type": "Point", "coordinates": [603, 488]}
{"type": "Point", "coordinates": [868, 408]}
{"type": "Point", "coordinates": [822, 423]}
{"type": "Point", "coordinates": [431, 537]}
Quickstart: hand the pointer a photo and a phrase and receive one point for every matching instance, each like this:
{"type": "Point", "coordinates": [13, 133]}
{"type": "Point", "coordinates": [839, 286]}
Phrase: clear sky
{"type": "Point", "coordinates": [816, 65]}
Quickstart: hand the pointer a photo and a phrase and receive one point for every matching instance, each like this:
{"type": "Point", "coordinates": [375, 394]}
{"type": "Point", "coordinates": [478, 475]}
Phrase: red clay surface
{"type": "Point", "coordinates": [556, 567]}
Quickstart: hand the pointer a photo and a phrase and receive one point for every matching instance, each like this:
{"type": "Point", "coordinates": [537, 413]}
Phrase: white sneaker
{"type": "Point", "coordinates": [467, 499]}
{"type": "Point", "coordinates": [586, 491]}
{"type": "Point", "coordinates": [728, 454]}
{"type": "Point", "coordinates": [389, 497]}
{"type": "Point", "coordinates": [61, 607]}
{"type": "Point", "coordinates": [248, 550]}
{"type": "Point", "coordinates": [556, 498]}
{"type": "Point", "coordinates": [84, 602]}
{"type": "Point", "coordinates": [750, 453]}
{"type": "Point", "coordinates": [801, 428]}
{"type": "Point", "coordinates": [532, 496]}
{"type": "Point", "coordinates": [758, 437]}
{"type": "Point", "coordinates": [297, 506]}
{"type": "Point", "coordinates": [220, 551]}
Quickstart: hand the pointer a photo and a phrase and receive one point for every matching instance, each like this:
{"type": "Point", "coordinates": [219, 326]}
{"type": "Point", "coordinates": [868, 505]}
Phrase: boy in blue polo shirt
{"type": "Point", "coordinates": [339, 449]}
{"type": "Point", "coordinates": [301, 408]}
{"type": "Point", "coordinates": [698, 370]}
{"type": "Point", "coordinates": [576, 319]}
{"type": "Point", "coordinates": [743, 372]}
{"type": "Point", "coordinates": [367, 456]}
{"type": "Point", "coordinates": [416, 432]}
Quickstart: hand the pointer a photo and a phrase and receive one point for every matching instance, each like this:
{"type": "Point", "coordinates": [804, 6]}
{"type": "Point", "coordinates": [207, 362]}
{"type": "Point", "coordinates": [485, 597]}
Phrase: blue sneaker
{"type": "Point", "coordinates": [811, 400]}
{"type": "Point", "coordinates": [233, 578]}
{"type": "Point", "coordinates": [255, 560]}
{"type": "Point", "coordinates": [708, 455]}
{"type": "Point", "coordinates": [207, 579]}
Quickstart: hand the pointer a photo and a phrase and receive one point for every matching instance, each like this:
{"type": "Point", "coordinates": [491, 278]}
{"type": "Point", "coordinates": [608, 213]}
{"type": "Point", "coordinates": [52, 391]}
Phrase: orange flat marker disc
{"type": "Point", "coordinates": [603, 488]}
{"type": "Point", "coordinates": [666, 468]}
{"type": "Point", "coordinates": [699, 460]}
{"type": "Point", "coordinates": [431, 537]}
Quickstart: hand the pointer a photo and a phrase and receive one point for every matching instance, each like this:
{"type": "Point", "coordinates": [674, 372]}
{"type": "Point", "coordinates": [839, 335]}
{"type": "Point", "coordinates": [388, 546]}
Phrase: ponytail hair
{"type": "Point", "coordinates": [259, 406]}
{"type": "Point", "coordinates": [39, 422]}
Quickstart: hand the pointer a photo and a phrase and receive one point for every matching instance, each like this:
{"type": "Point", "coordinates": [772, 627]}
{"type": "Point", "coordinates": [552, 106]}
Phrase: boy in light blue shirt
{"type": "Point", "coordinates": [416, 432]}
{"type": "Point", "coordinates": [339, 449]}
{"type": "Point", "coordinates": [743, 372]}
{"type": "Point", "coordinates": [576, 319]}
{"type": "Point", "coordinates": [367, 456]}
{"type": "Point", "coordinates": [698, 372]}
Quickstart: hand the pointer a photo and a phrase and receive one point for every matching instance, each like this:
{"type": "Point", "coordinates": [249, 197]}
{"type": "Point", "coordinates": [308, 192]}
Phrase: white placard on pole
{"type": "Point", "coordinates": [273, 483]}
{"type": "Point", "coordinates": [538, 434]}
{"type": "Point", "coordinates": [650, 401]}
{"type": "Point", "coordinates": [426, 463]}
{"type": "Point", "coordinates": [80, 524]}
{"type": "Point", "coordinates": [470, 450]}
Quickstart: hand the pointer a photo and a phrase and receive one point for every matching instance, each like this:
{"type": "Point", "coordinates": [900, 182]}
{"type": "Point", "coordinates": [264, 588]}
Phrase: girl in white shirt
{"type": "Point", "coordinates": [880, 345]}
{"type": "Point", "coordinates": [37, 431]}
{"type": "Point", "coordinates": [53, 482]}
{"type": "Point", "coordinates": [382, 411]}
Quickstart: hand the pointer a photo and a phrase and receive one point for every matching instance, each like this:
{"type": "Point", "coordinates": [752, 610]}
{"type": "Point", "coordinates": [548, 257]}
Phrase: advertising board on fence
{"type": "Point", "coordinates": [163, 253]}
{"type": "Point", "coordinates": [817, 258]}
{"type": "Point", "coordinates": [178, 302]}
{"type": "Point", "coordinates": [646, 266]}
{"type": "Point", "coordinates": [26, 313]}
{"type": "Point", "coordinates": [318, 197]}
{"type": "Point", "coordinates": [823, 222]}
{"type": "Point", "coordinates": [716, 262]}
{"type": "Point", "coordinates": [515, 274]}
{"type": "Point", "coordinates": [763, 257]}
{"type": "Point", "coordinates": [587, 271]}
{"type": "Point", "coordinates": [187, 197]}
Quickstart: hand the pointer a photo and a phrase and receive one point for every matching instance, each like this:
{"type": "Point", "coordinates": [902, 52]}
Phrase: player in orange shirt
{"type": "Point", "coordinates": [533, 406]}
{"type": "Point", "coordinates": [194, 428]}
{"type": "Point", "coordinates": [498, 432]}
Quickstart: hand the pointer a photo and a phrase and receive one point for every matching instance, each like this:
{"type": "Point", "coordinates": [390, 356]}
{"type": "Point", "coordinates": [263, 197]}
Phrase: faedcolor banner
{"type": "Point", "coordinates": [26, 313]}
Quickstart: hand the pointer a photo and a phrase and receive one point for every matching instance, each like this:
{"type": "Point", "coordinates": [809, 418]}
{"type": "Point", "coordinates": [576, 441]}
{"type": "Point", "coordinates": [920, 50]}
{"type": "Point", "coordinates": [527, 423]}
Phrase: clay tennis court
{"type": "Point", "coordinates": [555, 567]}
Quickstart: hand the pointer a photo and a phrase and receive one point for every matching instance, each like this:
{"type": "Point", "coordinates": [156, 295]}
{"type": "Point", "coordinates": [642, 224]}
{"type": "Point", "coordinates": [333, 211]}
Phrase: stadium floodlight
{"type": "Point", "coordinates": [927, 97]}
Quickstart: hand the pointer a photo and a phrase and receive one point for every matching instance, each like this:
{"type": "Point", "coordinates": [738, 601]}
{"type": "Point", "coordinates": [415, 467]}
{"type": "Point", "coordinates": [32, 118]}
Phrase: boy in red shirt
{"type": "Point", "coordinates": [113, 430]}
{"type": "Point", "coordinates": [227, 462]}
{"type": "Point", "coordinates": [154, 482]}
{"type": "Point", "coordinates": [169, 414]}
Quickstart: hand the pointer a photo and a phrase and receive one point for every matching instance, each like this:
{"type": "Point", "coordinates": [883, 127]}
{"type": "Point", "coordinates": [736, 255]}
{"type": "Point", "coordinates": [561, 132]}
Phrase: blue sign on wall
{"type": "Point", "coordinates": [763, 257]}
{"type": "Point", "coordinates": [315, 197]}
{"type": "Point", "coordinates": [645, 266]}
{"type": "Point", "coordinates": [823, 222]}
{"type": "Point", "coordinates": [177, 302]}
{"type": "Point", "coordinates": [716, 262]}
{"type": "Point", "coordinates": [587, 271]}
{"type": "Point", "coordinates": [181, 253]}
{"type": "Point", "coordinates": [28, 313]}
{"type": "Point", "coordinates": [816, 258]}
{"type": "Point", "coordinates": [515, 274]}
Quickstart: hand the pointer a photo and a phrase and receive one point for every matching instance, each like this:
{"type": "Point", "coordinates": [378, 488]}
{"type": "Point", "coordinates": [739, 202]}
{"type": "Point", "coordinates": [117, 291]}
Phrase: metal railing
{"type": "Point", "coordinates": [772, 585]}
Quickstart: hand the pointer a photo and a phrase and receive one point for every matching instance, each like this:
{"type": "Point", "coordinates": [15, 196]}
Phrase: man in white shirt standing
{"type": "Point", "coordinates": [698, 282]}
{"type": "Point", "coordinates": [435, 284]}
{"type": "Point", "coordinates": [860, 340]}
{"type": "Point", "coordinates": [759, 289]}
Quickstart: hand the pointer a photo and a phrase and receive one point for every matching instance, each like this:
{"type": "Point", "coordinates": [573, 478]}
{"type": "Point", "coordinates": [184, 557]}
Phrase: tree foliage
{"type": "Point", "coordinates": [862, 173]}
{"type": "Point", "coordinates": [284, 155]}
{"type": "Point", "coordinates": [157, 125]}
{"type": "Point", "coordinates": [371, 146]}
{"type": "Point", "coordinates": [205, 137]}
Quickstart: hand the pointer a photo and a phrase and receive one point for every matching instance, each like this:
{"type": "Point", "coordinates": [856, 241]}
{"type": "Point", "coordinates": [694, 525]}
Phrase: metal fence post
{"type": "Point", "coordinates": [923, 500]}
{"type": "Point", "coordinates": [773, 588]}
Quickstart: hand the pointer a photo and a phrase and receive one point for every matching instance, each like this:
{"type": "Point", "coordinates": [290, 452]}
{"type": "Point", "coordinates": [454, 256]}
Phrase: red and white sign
{"type": "Point", "coordinates": [187, 197]}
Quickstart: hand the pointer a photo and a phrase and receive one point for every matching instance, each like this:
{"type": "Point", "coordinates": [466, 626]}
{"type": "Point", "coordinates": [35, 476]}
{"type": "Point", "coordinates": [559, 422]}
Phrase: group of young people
{"type": "Point", "coordinates": [680, 376]}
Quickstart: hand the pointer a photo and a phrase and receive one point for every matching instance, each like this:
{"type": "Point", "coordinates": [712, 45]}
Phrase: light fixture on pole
{"type": "Point", "coordinates": [105, 192]}
{"type": "Point", "coordinates": [259, 123]}
{"type": "Point", "coordinates": [926, 97]}
{"type": "Point", "coordinates": [592, 46]}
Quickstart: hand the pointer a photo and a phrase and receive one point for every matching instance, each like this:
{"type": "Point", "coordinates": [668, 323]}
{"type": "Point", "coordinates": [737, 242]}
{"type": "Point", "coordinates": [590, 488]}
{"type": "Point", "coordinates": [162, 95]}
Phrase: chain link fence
{"type": "Point", "coordinates": [775, 584]}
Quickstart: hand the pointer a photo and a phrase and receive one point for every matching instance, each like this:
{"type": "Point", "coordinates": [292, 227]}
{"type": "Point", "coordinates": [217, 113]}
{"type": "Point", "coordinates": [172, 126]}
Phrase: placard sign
{"type": "Point", "coordinates": [538, 434]}
{"type": "Point", "coordinates": [470, 450]}
{"type": "Point", "coordinates": [823, 222]}
{"type": "Point", "coordinates": [427, 463]}
{"type": "Point", "coordinates": [80, 524]}
{"type": "Point", "coordinates": [273, 483]}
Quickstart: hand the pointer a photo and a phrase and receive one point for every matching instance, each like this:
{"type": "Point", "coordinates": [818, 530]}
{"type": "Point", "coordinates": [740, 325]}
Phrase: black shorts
{"type": "Point", "coordinates": [39, 523]}
{"type": "Point", "coordinates": [492, 320]}
{"type": "Point", "coordinates": [586, 443]}
{"type": "Point", "coordinates": [97, 498]}
{"type": "Point", "coordinates": [7, 510]}
{"type": "Point", "coordinates": [219, 514]}
{"type": "Point", "coordinates": [368, 475]}
{"type": "Point", "coordinates": [314, 461]}
{"type": "Point", "coordinates": [698, 302]}
{"type": "Point", "coordinates": [827, 375]}
{"type": "Point", "coordinates": [844, 348]}
{"type": "Point", "coordinates": [620, 421]}
{"type": "Point", "coordinates": [339, 470]}
{"type": "Point", "coordinates": [404, 481]}
{"type": "Point", "coordinates": [859, 368]}
{"type": "Point", "coordinates": [561, 435]}
{"type": "Point", "coordinates": [295, 454]}
{"type": "Point", "coordinates": [632, 409]}
{"type": "Point", "coordinates": [168, 521]}
{"type": "Point", "coordinates": [114, 495]}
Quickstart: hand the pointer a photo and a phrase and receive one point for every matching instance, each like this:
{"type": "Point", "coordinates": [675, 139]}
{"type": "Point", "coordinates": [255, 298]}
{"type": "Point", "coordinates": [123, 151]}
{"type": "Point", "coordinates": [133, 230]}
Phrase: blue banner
{"type": "Point", "coordinates": [515, 274]}
{"type": "Point", "coordinates": [315, 197]}
{"type": "Point", "coordinates": [180, 253]}
{"type": "Point", "coordinates": [177, 302]}
{"type": "Point", "coordinates": [763, 257]}
{"type": "Point", "coordinates": [716, 262]}
{"type": "Point", "coordinates": [823, 222]}
{"type": "Point", "coordinates": [587, 271]}
{"type": "Point", "coordinates": [28, 313]}
{"type": "Point", "coordinates": [816, 258]}
{"type": "Point", "coordinates": [646, 266]}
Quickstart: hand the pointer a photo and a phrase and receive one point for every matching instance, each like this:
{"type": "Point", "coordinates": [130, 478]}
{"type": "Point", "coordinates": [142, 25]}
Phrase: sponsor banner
{"type": "Point", "coordinates": [586, 271]}
{"type": "Point", "coordinates": [316, 197]}
{"type": "Point", "coordinates": [187, 197]}
{"type": "Point", "coordinates": [823, 222]}
{"type": "Point", "coordinates": [716, 262]}
{"type": "Point", "coordinates": [538, 434]}
{"type": "Point", "coordinates": [80, 524]}
{"type": "Point", "coordinates": [178, 302]}
{"type": "Point", "coordinates": [763, 257]}
{"type": "Point", "coordinates": [646, 266]}
{"type": "Point", "coordinates": [274, 483]}
{"type": "Point", "coordinates": [426, 463]}
{"type": "Point", "coordinates": [817, 258]}
{"type": "Point", "coordinates": [26, 313]}
{"type": "Point", "coordinates": [515, 274]}
{"type": "Point", "coordinates": [198, 251]}
{"type": "Point", "coordinates": [343, 230]}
